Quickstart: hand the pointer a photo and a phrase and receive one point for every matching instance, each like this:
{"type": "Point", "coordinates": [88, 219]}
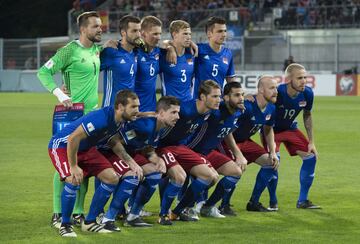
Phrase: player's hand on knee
{"type": "Point", "coordinates": [274, 160]}
{"type": "Point", "coordinates": [137, 170]}
{"type": "Point", "coordinates": [242, 163]}
{"type": "Point", "coordinates": [312, 149]}
{"type": "Point", "coordinates": [161, 166]}
{"type": "Point", "coordinates": [77, 175]}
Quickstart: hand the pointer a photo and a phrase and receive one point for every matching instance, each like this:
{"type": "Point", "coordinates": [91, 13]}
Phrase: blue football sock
{"type": "Point", "coordinates": [184, 188]}
{"type": "Point", "coordinates": [203, 196]}
{"type": "Point", "coordinates": [226, 184]}
{"type": "Point", "coordinates": [121, 195]}
{"type": "Point", "coordinates": [162, 186]}
{"type": "Point", "coordinates": [307, 174]}
{"type": "Point", "coordinates": [132, 197]}
{"type": "Point", "coordinates": [145, 191]}
{"type": "Point", "coordinates": [262, 181]}
{"type": "Point", "coordinates": [68, 198]}
{"type": "Point", "coordinates": [192, 193]}
{"type": "Point", "coordinates": [101, 196]}
{"type": "Point", "coordinates": [226, 197]}
{"type": "Point", "coordinates": [170, 193]}
{"type": "Point", "coordinates": [272, 186]}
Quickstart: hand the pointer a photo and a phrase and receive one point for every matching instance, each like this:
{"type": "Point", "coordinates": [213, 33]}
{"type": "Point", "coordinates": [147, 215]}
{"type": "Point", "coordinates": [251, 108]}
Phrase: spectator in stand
{"type": "Point", "coordinates": [288, 61]}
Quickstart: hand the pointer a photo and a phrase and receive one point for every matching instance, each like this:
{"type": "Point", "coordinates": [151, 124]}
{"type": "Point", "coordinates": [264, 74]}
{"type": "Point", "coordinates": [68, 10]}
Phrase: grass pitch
{"type": "Point", "coordinates": [26, 185]}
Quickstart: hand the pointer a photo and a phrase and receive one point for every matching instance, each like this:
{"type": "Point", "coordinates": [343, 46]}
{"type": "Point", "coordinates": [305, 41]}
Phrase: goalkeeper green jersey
{"type": "Point", "coordinates": [80, 68]}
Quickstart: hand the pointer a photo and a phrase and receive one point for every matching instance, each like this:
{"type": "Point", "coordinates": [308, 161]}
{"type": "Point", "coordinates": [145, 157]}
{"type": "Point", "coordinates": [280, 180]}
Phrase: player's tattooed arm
{"type": "Point", "coordinates": [116, 144]}
{"type": "Point", "coordinates": [308, 124]}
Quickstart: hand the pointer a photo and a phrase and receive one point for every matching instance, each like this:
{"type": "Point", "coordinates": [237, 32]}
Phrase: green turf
{"type": "Point", "coordinates": [26, 182]}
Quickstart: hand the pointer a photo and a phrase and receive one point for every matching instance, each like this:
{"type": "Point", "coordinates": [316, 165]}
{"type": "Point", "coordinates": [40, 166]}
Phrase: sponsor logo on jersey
{"type": "Point", "coordinates": [302, 104]}
{"type": "Point", "coordinates": [122, 61]}
{"type": "Point", "coordinates": [188, 122]}
{"type": "Point", "coordinates": [225, 60]}
{"type": "Point", "coordinates": [143, 59]}
{"type": "Point", "coordinates": [281, 106]}
{"type": "Point", "coordinates": [206, 57]}
{"type": "Point", "coordinates": [190, 61]}
{"type": "Point", "coordinates": [90, 127]}
{"type": "Point", "coordinates": [207, 116]}
{"type": "Point", "coordinates": [253, 118]}
{"type": "Point", "coordinates": [235, 121]}
{"type": "Point", "coordinates": [49, 64]}
{"type": "Point", "coordinates": [157, 56]}
{"type": "Point", "coordinates": [135, 59]}
{"type": "Point", "coordinates": [221, 122]}
{"type": "Point", "coordinates": [130, 134]}
{"type": "Point", "coordinates": [268, 117]}
{"type": "Point", "coordinates": [172, 65]}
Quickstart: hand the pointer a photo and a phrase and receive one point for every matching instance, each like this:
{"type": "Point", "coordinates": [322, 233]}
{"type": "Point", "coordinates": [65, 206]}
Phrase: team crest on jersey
{"type": "Point", "coordinates": [225, 60]}
{"type": "Point", "coordinates": [302, 104]}
{"type": "Point", "coordinates": [49, 64]}
{"type": "Point", "coordinates": [190, 61]}
{"type": "Point", "coordinates": [90, 127]}
{"type": "Point", "coordinates": [122, 61]}
{"type": "Point", "coordinates": [143, 59]}
{"type": "Point", "coordinates": [268, 117]}
{"type": "Point", "coordinates": [206, 57]}
{"type": "Point", "coordinates": [130, 134]}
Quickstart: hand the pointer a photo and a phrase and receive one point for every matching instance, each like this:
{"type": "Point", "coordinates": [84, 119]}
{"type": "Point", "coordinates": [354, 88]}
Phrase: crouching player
{"type": "Point", "coordinates": [74, 155]}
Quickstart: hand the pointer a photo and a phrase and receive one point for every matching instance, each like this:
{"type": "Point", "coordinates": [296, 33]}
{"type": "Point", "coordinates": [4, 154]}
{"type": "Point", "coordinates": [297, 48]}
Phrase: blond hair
{"type": "Point", "coordinates": [290, 69]}
{"type": "Point", "coordinates": [177, 25]}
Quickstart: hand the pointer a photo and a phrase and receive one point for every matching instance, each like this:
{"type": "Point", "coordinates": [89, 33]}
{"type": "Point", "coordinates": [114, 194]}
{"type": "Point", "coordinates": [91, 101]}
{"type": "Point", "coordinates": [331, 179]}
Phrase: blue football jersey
{"type": "Point", "coordinates": [287, 108]}
{"type": "Point", "coordinates": [253, 119]}
{"type": "Point", "coordinates": [189, 121]}
{"type": "Point", "coordinates": [146, 75]}
{"type": "Point", "coordinates": [210, 65]}
{"type": "Point", "coordinates": [220, 124]}
{"type": "Point", "coordinates": [139, 134]}
{"type": "Point", "coordinates": [99, 126]}
{"type": "Point", "coordinates": [119, 68]}
{"type": "Point", "coordinates": [177, 79]}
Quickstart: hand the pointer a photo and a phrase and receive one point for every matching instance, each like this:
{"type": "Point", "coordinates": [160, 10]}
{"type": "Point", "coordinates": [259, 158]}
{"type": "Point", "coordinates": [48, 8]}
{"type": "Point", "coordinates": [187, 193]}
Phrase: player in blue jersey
{"type": "Point", "coordinates": [214, 61]}
{"type": "Point", "coordinates": [192, 115]}
{"type": "Point", "coordinates": [140, 139]}
{"type": "Point", "coordinates": [148, 63]}
{"type": "Point", "coordinates": [120, 65]}
{"type": "Point", "coordinates": [74, 155]}
{"type": "Point", "coordinates": [294, 97]}
{"type": "Point", "coordinates": [258, 114]}
{"type": "Point", "coordinates": [177, 79]}
{"type": "Point", "coordinates": [218, 127]}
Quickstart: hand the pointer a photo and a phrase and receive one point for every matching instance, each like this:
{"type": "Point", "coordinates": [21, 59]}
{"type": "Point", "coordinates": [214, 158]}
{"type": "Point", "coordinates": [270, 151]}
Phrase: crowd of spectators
{"type": "Point", "coordinates": [287, 14]}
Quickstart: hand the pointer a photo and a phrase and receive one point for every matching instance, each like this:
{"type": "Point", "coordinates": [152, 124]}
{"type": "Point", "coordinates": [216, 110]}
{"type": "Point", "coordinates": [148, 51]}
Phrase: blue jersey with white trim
{"type": "Point", "coordinates": [146, 75]}
{"type": "Point", "coordinates": [288, 108]}
{"type": "Point", "coordinates": [99, 126]}
{"type": "Point", "coordinates": [253, 119]}
{"type": "Point", "coordinates": [119, 68]}
{"type": "Point", "coordinates": [189, 121]}
{"type": "Point", "coordinates": [210, 65]}
{"type": "Point", "coordinates": [177, 79]}
{"type": "Point", "coordinates": [220, 124]}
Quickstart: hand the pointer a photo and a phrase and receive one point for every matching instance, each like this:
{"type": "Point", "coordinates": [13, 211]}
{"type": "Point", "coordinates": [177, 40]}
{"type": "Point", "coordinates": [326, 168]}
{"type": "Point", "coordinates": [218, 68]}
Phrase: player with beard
{"type": "Point", "coordinates": [259, 113]}
{"type": "Point", "coordinates": [218, 127]}
{"type": "Point", "coordinates": [294, 97]}
{"type": "Point", "coordinates": [79, 64]}
{"type": "Point", "coordinates": [120, 65]}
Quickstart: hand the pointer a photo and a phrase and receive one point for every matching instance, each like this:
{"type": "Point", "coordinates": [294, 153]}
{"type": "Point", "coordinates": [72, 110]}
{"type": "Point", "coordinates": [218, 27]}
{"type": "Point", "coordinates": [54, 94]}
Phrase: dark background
{"type": "Point", "coordinates": [33, 18]}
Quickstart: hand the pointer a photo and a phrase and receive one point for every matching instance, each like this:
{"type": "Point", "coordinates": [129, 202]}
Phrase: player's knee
{"type": "Point", "coordinates": [237, 172]}
{"type": "Point", "coordinates": [110, 177]}
{"type": "Point", "coordinates": [180, 176]}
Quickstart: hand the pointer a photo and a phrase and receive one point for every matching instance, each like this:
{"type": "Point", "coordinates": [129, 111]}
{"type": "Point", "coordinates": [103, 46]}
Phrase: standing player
{"type": "Point", "coordinates": [177, 79]}
{"type": "Point", "coordinates": [214, 61]}
{"type": "Point", "coordinates": [79, 64]}
{"type": "Point", "coordinates": [148, 63]}
{"type": "Point", "coordinates": [120, 64]}
{"type": "Point", "coordinates": [192, 115]}
{"type": "Point", "coordinates": [258, 114]}
{"type": "Point", "coordinates": [219, 127]}
{"type": "Point", "coordinates": [294, 97]}
{"type": "Point", "coordinates": [75, 156]}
